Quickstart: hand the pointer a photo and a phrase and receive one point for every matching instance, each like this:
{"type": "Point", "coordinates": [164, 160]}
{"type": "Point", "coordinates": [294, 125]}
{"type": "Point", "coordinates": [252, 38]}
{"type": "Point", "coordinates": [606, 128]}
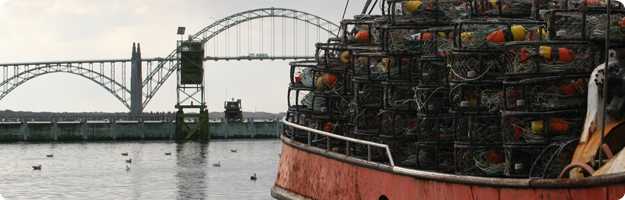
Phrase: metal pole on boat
{"type": "Point", "coordinates": [604, 92]}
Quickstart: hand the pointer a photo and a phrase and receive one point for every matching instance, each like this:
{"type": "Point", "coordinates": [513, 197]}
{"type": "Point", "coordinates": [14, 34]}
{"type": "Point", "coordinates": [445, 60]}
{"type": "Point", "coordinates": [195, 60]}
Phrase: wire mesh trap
{"type": "Point", "coordinates": [553, 57]}
{"type": "Point", "coordinates": [431, 71]}
{"type": "Point", "coordinates": [470, 65]}
{"type": "Point", "coordinates": [540, 127]}
{"type": "Point", "coordinates": [584, 25]}
{"type": "Point", "coordinates": [399, 95]}
{"type": "Point", "coordinates": [549, 93]}
{"type": "Point", "coordinates": [492, 33]}
{"type": "Point", "coordinates": [426, 12]}
{"type": "Point", "coordinates": [478, 129]}
{"type": "Point", "coordinates": [432, 100]}
{"type": "Point", "coordinates": [476, 97]}
{"type": "Point", "coordinates": [479, 160]}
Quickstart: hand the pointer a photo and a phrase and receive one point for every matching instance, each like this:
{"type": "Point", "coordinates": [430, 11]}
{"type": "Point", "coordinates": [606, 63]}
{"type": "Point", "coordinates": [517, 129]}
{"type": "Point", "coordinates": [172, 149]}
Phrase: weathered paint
{"type": "Point", "coordinates": [316, 176]}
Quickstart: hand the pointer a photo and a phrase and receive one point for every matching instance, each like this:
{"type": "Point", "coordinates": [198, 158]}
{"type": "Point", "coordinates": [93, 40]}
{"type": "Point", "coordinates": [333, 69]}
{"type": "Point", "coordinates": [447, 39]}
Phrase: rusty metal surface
{"type": "Point", "coordinates": [617, 180]}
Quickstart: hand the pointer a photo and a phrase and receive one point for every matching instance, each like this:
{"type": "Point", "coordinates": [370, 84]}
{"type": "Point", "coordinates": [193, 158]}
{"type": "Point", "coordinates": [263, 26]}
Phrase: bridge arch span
{"type": "Point", "coordinates": [119, 91]}
{"type": "Point", "coordinates": [154, 80]}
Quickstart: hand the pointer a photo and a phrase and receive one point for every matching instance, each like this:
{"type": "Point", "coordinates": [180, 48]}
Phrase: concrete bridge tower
{"type": "Point", "coordinates": [136, 98]}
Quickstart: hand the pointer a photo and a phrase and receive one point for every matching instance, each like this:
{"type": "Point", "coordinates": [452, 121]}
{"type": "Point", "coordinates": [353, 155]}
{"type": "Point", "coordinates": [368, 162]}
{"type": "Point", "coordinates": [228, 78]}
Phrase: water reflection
{"type": "Point", "coordinates": [191, 162]}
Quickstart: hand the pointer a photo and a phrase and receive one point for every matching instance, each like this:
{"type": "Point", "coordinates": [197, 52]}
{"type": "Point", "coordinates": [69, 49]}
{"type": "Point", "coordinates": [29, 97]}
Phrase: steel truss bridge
{"type": "Point", "coordinates": [259, 34]}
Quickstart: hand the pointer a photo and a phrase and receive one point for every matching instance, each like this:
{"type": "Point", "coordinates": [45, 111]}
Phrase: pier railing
{"type": "Point", "coordinates": [310, 132]}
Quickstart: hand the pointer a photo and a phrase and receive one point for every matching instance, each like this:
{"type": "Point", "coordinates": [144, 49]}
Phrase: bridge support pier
{"type": "Point", "coordinates": [136, 86]}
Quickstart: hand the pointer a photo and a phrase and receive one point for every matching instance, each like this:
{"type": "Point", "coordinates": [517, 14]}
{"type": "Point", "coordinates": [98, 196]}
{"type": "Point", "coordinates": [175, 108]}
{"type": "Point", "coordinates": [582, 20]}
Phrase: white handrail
{"type": "Point", "coordinates": [340, 137]}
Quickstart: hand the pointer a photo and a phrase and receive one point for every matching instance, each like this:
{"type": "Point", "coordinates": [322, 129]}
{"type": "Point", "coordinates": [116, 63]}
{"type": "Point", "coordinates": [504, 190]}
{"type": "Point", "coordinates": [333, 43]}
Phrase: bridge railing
{"type": "Point", "coordinates": [310, 133]}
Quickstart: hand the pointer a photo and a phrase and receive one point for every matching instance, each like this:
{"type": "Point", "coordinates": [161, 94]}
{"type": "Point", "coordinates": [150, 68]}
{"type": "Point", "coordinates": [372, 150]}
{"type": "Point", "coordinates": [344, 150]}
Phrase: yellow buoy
{"type": "Point", "coordinates": [518, 32]}
{"type": "Point", "coordinates": [537, 126]}
{"type": "Point", "coordinates": [345, 57]}
{"type": "Point", "coordinates": [412, 6]}
{"type": "Point", "coordinates": [545, 52]}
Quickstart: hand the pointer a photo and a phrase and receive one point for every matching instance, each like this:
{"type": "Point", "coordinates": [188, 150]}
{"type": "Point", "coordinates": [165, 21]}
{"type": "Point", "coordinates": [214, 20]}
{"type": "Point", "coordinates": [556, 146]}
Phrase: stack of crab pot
{"type": "Point", "coordinates": [477, 72]}
{"type": "Point", "coordinates": [546, 93]}
{"type": "Point", "coordinates": [369, 67]}
{"type": "Point", "coordinates": [419, 35]}
{"type": "Point", "coordinates": [317, 94]}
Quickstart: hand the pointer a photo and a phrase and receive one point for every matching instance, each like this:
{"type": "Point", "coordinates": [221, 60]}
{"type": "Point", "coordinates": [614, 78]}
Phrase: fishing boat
{"type": "Point", "coordinates": [447, 99]}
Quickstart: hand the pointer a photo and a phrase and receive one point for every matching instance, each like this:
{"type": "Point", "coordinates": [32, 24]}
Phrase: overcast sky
{"type": "Point", "coordinates": [51, 30]}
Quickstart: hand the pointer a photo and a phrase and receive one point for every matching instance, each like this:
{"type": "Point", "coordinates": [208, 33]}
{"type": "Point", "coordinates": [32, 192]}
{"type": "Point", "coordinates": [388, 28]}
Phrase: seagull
{"type": "Point", "coordinates": [129, 160]}
{"type": "Point", "coordinates": [233, 150]}
{"type": "Point", "coordinates": [37, 167]}
{"type": "Point", "coordinates": [218, 164]}
{"type": "Point", "coordinates": [253, 177]}
{"type": "Point", "coordinates": [125, 154]}
{"type": "Point", "coordinates": [50, 155]}
{"type": "Point", "coordinates": [168, 154]}
{"type": "Point", "coordinates": [127, 168]}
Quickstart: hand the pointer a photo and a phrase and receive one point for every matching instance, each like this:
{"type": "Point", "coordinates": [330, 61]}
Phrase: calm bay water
{"type": "Point", "coordinates": [98, 171]}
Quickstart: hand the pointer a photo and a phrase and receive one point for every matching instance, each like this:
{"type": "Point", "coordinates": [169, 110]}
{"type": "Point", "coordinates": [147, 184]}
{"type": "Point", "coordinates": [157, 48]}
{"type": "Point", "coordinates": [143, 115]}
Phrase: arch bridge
{"type": "Point", "coordinates": [259, 34]}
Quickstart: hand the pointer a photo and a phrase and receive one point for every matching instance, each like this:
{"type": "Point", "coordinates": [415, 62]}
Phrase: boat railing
{"type": "Point", "coordinates": [310, 132]}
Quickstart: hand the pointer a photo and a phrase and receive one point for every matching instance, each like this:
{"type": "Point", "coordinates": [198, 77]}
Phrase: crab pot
{"type": "Point", "coordinates": [553, 159]}
{"type": "Point", "coordinates": [302, 75]}
{"type": "Point", "coordinates": [367, 119]}
{"type": "Point", "coordinates": [430, 12]}
{"type": "Point", "coordinates": [367, 94]}
{"type": "Point", "coordinates": [317, 103]}
{"type": "Point", "coordinates": [433, 156]}
{"type": "Point", "coordinates": [399, 95]}
{"type": "Point", "coordinates": [541, 127]}
{"type": "Point", "coordinates": [590, 5]}
{"type": "Point", "coordinates": [554, 57]}
{"type": "Point", "coordinates": [478, 129]}
{"type": "Point", "coordinates": [471, 65]}
{"type": "Point", "coordinates": [436, 128]}
{"type": "Point", "coordinates": [332, 54]}
{"type": "Point", "coordinates": [546, 93]}
{"type": "Point", "coordinates": [520, 158]}
{"type": "Point", "coordinates": [334, 80]}
{"type": "Point", "coordinates": [397, 124]}
{"type": "Point", "coordinates": [432, 100]}
{"type": "Point", "coordinates": [381, 66]}
{"type": "Point", "coordinates": [476, 97]}
{"type": "Point", "coordinates": [432, 71]}
{"type": "Point", "coordinates": [489, 33]}
{"type": "Point", "coordinates": [416, 40]}
{"type": "Point", "coordinates": [586, 25]}
{"type": "Point", "coordinates": [479, 160]}
{"type": "Point", "coordinates": [502, 8]}
{"type": "Point", "coordinates": [361, 32]}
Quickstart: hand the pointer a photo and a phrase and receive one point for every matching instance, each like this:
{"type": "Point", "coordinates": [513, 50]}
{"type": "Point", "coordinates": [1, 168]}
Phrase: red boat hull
{"type": "Point", "coordinates": [306, 173]}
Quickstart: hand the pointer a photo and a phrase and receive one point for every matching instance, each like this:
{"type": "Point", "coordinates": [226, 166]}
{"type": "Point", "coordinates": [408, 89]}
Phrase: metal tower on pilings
{"type": "Point", "coordinates": [192, 114]}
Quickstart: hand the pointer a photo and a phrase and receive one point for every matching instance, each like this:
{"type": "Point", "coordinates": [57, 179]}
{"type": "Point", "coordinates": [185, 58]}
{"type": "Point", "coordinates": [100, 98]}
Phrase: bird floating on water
{"type": "Point", "coordinates": [218, 164]}
{"type": "Point", "coordinates": [37, 167]}
{"type": "Point", "coordinates": [50, 155]}
{"type": "Point", "coordinates": [253, 177]}
{"type": "Point", "coordinates": [125, 154]}
{"type": "Point", "coordinates": [233, 150]}
{"type": "Point", "coordinates": [129, 160]}
{"type": "Point", "coordinates": [168, 153]}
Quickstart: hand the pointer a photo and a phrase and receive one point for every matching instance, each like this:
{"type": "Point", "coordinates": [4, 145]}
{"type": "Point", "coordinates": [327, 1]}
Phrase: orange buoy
{"type": "Point", "coordinates": [426, 36]}
{"type": "Point", "coordinates": [328, 127]}
{"type": "Point", "coordinates": [568, 89]}
{"type": "Point", "coordinates": [592, 2]}
{"type": "Point", "coordinates": [524, 55]}
{"type": "Point", "coordinates": [495, 157]}
{"type": "Point", "coordinates": [362, 36]}
{"type": "Point", "coordinates": [329, 80]}
{"type": "Point", "coordinates": [497, 36]}
{"type": "Point", "coordinates": [565, 55]}
{"type": "Point", "coordinates": [298, 77]}
{"type": "Point", "coordinates": [558, 125]}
